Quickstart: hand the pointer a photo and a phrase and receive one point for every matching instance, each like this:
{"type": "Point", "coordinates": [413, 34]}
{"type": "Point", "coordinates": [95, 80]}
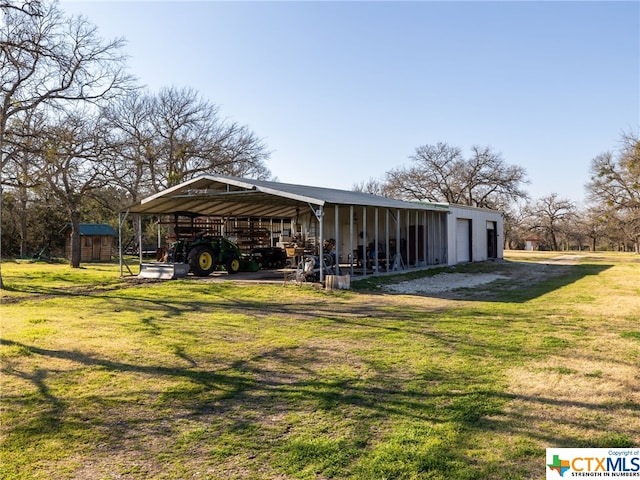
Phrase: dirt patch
{"type": "Point", "coordinates": [565, 260]}
{"type": "Point", "coordinates": [505, 275]}
{"type": "Point", "coordinates": [444, 282]}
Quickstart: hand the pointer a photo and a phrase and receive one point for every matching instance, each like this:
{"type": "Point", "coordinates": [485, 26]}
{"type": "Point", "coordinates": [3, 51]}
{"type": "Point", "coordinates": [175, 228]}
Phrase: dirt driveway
{"type": "Point", "coordinates": [510, 275]}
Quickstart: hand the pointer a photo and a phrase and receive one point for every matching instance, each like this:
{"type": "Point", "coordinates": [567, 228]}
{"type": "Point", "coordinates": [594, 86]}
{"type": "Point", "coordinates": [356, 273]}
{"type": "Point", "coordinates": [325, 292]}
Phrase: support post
{"type": "Point", "coordinates": [320, 216]}
{"type": "Point", "coordinates": [386, 229]}
{"type": "Point", "coordinates": [415, 239]}
{"type": "Point", "coordinates": [120, 220]}
{"type": "Point", "coordinates": [351, 239]}
{"type": "Point", "coordinates": [364, 242]}
{"type": "Point", "coordinates": [376, 240]}
{"type": "Point", "coordinates": [408, 218]}
{"type": "Point", "coordinates": [424, 238]}
{"type": "Point", "coordinates": [140, 238]}
{"type": "Point", "coordinates": [398, 243]}
{"type": "Point", "coordinates": [336, 237]}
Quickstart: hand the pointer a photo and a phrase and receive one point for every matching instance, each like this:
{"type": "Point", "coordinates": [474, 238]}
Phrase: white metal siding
{"type": "Point", "coordinates": [462, 240]}
{"type": "Point", "coordinates": [478, 227]}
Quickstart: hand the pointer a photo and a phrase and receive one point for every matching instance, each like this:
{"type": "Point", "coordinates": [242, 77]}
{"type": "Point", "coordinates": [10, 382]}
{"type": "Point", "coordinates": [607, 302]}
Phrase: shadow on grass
{"type": "Point", "coordinates": [294, 408]}
{"type": "Point", "coordinates": [311, 408]}
{"type": "Point", "coordinates": [522, 281]}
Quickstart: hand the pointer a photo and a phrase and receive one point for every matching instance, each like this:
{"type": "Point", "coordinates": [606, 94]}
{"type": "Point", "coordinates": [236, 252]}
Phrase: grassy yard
{"type": "Point", "coordinates": [109, 378]}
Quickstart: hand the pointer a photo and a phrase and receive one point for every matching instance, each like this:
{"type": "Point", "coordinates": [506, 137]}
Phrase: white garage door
{"type": "Point", "coordinates": [462, 240]}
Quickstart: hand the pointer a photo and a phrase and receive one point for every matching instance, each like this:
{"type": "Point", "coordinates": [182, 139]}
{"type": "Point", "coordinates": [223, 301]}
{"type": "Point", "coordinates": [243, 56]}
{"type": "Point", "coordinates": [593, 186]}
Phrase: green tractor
{"type": "Point", "coordinates": [206, 254]}
{"type": "Point", "coordinates": [200, 245]}
{"type": "Point", "coordinates": [203, 249]}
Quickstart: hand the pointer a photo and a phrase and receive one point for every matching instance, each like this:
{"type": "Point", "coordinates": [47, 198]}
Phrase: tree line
{"type": "Point", "coordinates": [80, 139]}
{"type": "Point", "coordinates": [610, 220]}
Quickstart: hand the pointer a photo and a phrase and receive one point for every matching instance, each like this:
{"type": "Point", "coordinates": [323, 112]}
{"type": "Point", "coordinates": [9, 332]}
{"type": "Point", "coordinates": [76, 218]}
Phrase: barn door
{"type": "Point", "coordinates": [95, 248]}
{"type": "Point", "coordinates": [492, 240]}
{"type": "Point", "coordinates": [463, 240]}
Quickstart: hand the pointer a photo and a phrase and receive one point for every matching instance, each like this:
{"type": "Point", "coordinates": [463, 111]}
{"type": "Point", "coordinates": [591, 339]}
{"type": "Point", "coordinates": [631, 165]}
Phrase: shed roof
{"type": "Point", "coordinates": [93, 229]}
{"type": "Point", "coordinates": [233, 196]}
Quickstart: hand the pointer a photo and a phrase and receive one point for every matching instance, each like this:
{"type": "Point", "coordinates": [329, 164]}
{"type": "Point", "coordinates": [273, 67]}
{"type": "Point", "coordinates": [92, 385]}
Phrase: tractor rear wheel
{"type": "Point", "coordinates": [233, 265]}
{"type": "Point", "coordinates": [201, 260]}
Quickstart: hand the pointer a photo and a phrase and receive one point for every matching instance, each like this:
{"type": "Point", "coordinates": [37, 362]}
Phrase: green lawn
{"type": "Point", "coordinates": [106, 378]}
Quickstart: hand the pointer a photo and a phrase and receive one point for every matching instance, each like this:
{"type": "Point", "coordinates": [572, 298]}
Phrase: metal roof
{"type": "Point", "coordinates": [93, 229]}
{"type": "Point", "coordinates": [238, 197]}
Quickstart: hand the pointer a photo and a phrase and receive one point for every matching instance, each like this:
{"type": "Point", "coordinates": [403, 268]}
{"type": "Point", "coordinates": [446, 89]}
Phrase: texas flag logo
{"type": "Point", "coordinates": [561, 466]}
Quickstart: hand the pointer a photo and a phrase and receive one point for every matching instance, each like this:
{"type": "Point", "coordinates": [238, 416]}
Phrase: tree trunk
{"type": "Point", "coordinates": [3, 125]}
{"type": "Point", "coordinates": [23, 221]}
{"type": "Point", "coordinates": [76, 241]}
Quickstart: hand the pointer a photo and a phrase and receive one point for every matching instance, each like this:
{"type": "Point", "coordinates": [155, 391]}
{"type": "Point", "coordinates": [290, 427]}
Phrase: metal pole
{"type": "Point", "coordinates": [376, 240]}
{"type": "Point", "coordinates": [415, 239]}
{"type": "Point", "coordinates": [408, 250]}
{"type": "Point", "coordinates": [351, 239]}
{"type": "Point", "coordinates": [336, 237]}
{"type": "Point", "coordinates": [387, 238]}
{"type": "Point", "coordinates": [398, 243]}
{"type": "Point", "coordinates": [320, 216]}
{"type": "Point", "coordinates": [424, 238]}
{"type": "Point", "coordinates": [140, 238]}
{"type": "Point", "coordinates": [364, 242]}
{"type": "Point", "coordinates": [120, 243]}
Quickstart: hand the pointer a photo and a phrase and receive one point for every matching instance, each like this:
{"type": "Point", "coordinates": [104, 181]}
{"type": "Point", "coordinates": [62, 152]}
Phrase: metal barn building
{"type": "Point", "coordinates": [366, 234]}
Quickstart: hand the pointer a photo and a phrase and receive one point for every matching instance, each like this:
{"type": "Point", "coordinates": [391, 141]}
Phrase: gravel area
{"type": "Point", "coordinates": [521, 275]}
{"type": "Point", "coordinates": [444, 282]}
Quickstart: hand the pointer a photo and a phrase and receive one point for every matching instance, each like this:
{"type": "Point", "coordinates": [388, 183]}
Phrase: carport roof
{"type": "Point", "coordinates": [218, 195]}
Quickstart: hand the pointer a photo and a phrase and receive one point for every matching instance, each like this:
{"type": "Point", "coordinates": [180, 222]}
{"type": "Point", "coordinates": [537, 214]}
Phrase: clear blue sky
{"type": "Point", "coordinates": [344, 91]}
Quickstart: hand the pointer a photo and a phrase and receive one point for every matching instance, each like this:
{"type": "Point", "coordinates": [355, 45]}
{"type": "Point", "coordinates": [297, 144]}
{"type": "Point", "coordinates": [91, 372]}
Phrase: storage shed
{"type": "Point", "coordinates": [531, 243]}
{"type": "Point", "coordinates": [97, 241]}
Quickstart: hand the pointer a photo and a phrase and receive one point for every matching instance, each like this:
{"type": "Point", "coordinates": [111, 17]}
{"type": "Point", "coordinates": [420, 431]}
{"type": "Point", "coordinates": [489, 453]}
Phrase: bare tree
{"type": "Point", "coordinates": [22, 165]}
{"type": "Point", "coordinates": [170, 137]}
{"type": "Point", "coordinates": [193, 139]}
{"type": "Point", "coordinates": [433, 175]}
{"type": "Point", "coordinates": [515, 225]}
{"type": "Point", "coordinates": [615, 185]}
{"type": "Point", "coordinates": [372, 186]}
{"type": "Point", "coordinates": [549, 217]}
{"type": "Point", "coordinates": [72, 152]}
{"type": "Point", "coordinates": [593, 221]}
{"type": "Point", "coordinates": [244, 155]}
{"type": "Point", "coordinates": [49, 59]}
{"type": "Point", "coordinates": [440, 173]}
{"type": "Point", "coordinates": [135, 149]}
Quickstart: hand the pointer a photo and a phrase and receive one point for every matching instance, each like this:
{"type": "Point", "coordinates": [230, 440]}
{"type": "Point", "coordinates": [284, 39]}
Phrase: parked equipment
{"type": "Point", "coordinates": [206, 254]}
{"type": "Point", "coordinates": [308, 269]}
{"type": "Point", "coordinates": [270, 257]}
{"type": "Point", "coordinates": [200, 246]}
